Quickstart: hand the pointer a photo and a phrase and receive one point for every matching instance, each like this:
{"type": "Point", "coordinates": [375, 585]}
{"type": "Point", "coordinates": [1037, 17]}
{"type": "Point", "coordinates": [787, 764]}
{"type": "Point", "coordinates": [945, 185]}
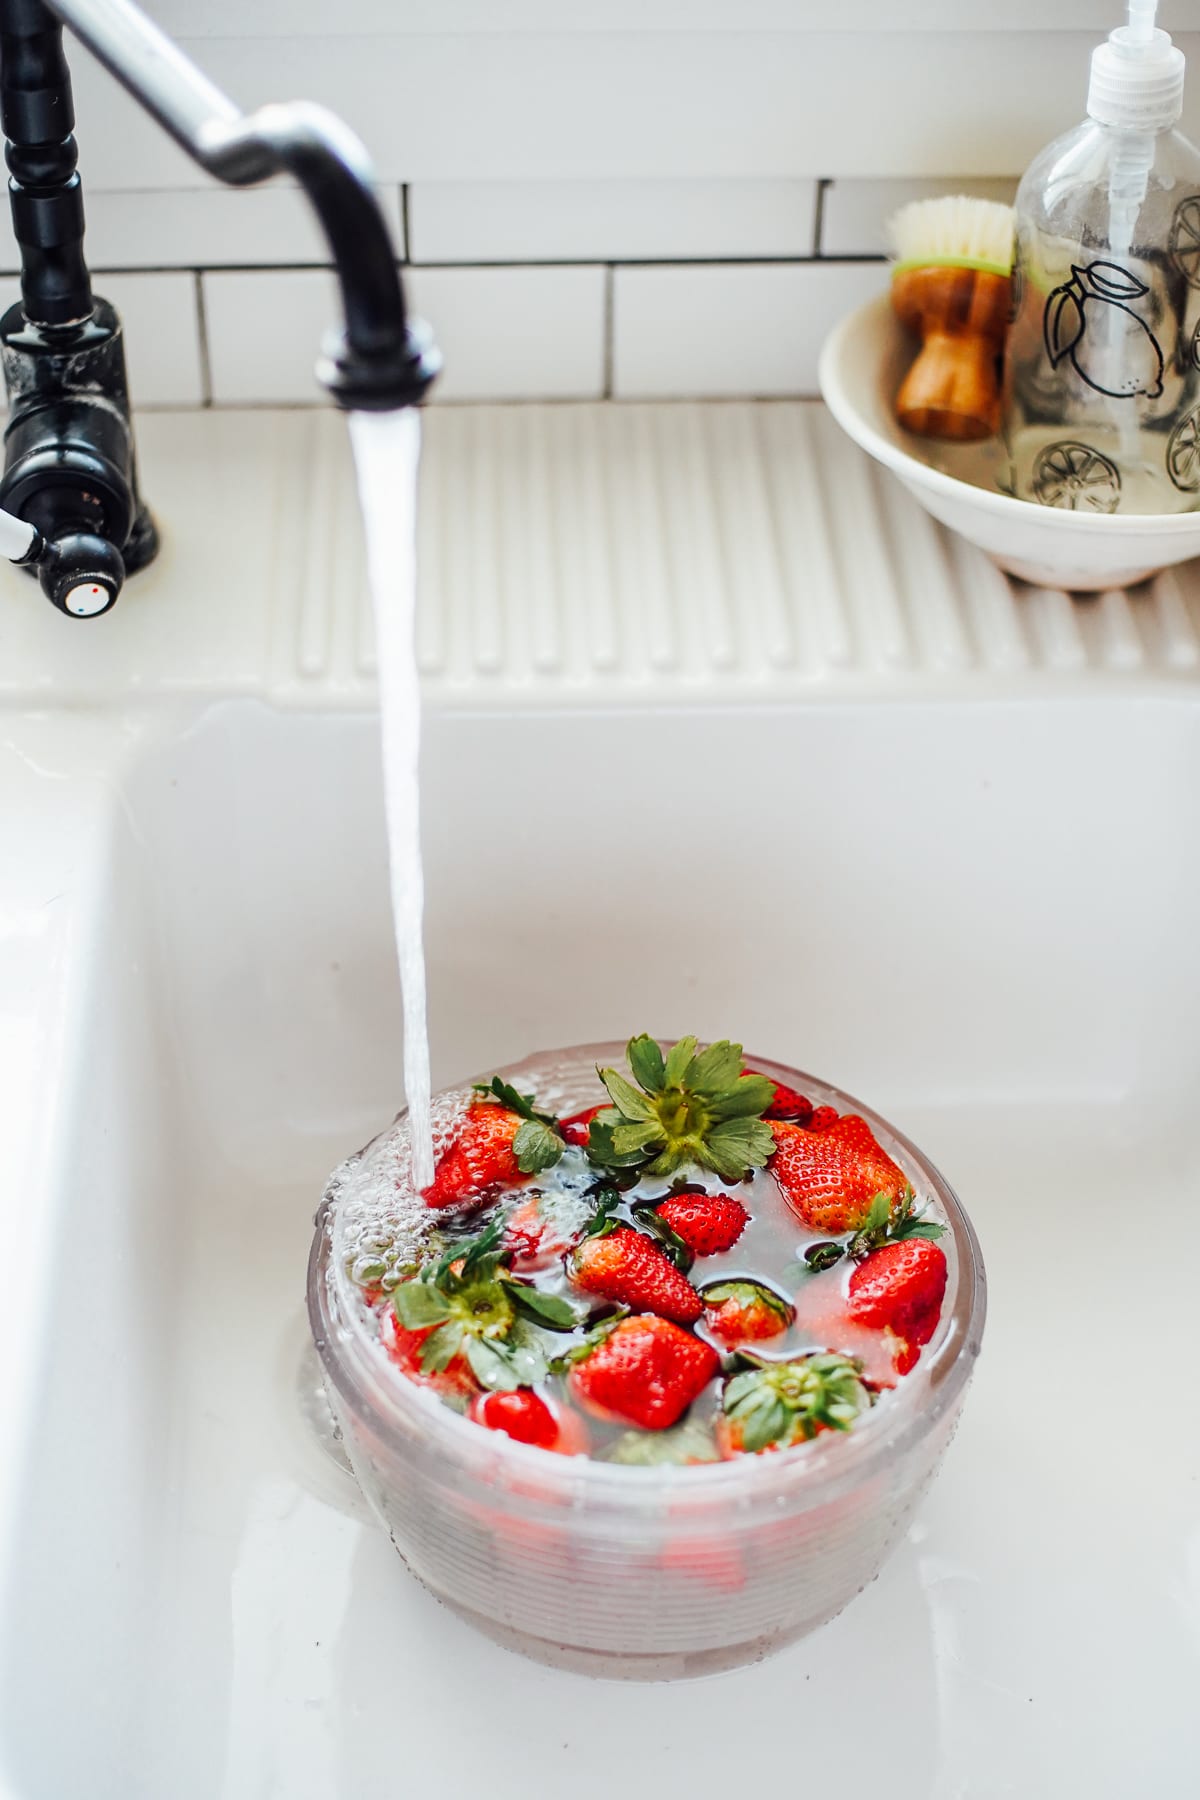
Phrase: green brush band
{"type": "Point", "coordinates": [951, 262]}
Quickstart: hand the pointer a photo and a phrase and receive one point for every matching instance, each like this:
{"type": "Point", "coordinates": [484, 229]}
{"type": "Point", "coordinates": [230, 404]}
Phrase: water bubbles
{"type": "Point", "coordinates": [381, 1223]}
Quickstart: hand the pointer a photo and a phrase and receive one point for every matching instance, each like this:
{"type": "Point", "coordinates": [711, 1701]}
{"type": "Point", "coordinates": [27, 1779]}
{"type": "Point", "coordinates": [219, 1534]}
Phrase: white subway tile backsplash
{"type": "Point", "coordinates": [632, 105]}
{"type": "Point", "coordinates": [264, 333]}
{"type": "Point", "coordinates": [505, 333]}
{"type": "Point", "coordinates": [854, 213]}
{"type": "Point", "coordinates": [754, 329]}
{"type": "Point", "coordinates": [515, 334]}
{"type": "Point", "coordinates": [209, 227]}
{"type": "Point", "coordinates": [162, 339]}
{"type": "Point", "coordinates": [288, 18]}
{"type": "Point", "coordinates": [608, 221]}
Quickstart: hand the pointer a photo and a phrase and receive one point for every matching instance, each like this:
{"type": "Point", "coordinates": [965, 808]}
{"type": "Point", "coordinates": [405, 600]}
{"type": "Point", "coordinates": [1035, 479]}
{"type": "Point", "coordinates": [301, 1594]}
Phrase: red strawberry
{"type": "Point", "coordinates": [575, 1129]}
{"type": "Point", "coordinates": [823, 1117]}
{"type": "Point", "coordinates": [624, 1265]}
{"type": "Point", "coordinates": [645, 1371]}
{"type": "Point", "coordinates": [480, 1158]}
{"type": "Point", "coordinates": [740, 1312]}
{"type": "Point", "coordinates": [403, 1346]}
{"type": "Point", "coordinates": [830, 1177]}
{"type": "Point", "coordinates": [900, 1288]}
{"type": "Point", "coordinates": [772, 1405]}
{"type": "Point", "coordinates": [707, 1223]}
{"type": "Point", "coordinates": [787, 1104]}
{"type": "Point", "coordinates": [534, 1240]}
{"type": "Point", "coordinates": [524, 1415]}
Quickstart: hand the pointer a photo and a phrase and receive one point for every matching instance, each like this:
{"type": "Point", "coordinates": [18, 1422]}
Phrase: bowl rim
{"type": "Point", "coordinates": [822, 1468]}
{"type": "Point", "coordinates": [911, 467]}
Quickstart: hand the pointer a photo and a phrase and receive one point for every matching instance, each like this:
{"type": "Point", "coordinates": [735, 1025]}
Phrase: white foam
{"type": "Point", "coordinates": [381, 1222]}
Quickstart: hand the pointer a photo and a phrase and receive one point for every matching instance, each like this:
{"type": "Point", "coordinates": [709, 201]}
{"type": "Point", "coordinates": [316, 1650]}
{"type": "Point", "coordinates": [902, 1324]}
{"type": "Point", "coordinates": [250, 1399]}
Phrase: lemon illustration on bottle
{"type": "Point", "coordinates": [1089, 319]}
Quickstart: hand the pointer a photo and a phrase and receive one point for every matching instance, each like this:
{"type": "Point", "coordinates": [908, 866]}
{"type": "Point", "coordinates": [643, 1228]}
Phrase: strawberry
{"type": "Point", "coordinates": [829, 1178]}
{"type": "Point", "coordinates": [707, 1223]}
{"type": "Point", "coordinates": [823, 1117]}
{"type": "Point", "coordinates": [480, 1159]}
{"type": "Point", "coordinates": [625, 1266]}
{"type": "Point", "coordinates": [900, 1288]}
{"type": "Point", "coordinates": [575, 1129]}
{"type": "Point", "coordinates": [476, 1309]}
{"type": "Point", "coordinates": [404, 1347]}
{"type": "Point", "coordinates": [644, 1371]}
{"type": "Point", "coordinates": [745, 1311]}
{"type": "Point", "coordinates": [538, 1232]}
{"type": "Point", "coordinates": [787, 1103]}
{"type": "Point", "coordinates": [775, 1404]}
{"type": "Point", "coordinates": [691, 1108]}
{"type": "Point", "coordinates": [524, 1415]}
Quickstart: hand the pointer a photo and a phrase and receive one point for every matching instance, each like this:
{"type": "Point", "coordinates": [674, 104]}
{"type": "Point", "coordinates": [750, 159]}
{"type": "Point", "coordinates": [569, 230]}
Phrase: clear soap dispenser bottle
{"type": "Point", "coordinates": [1102, 372]}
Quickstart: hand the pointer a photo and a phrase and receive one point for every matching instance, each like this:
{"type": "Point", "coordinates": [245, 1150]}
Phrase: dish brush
{"type": "Point", "coordinates": [952, 284]}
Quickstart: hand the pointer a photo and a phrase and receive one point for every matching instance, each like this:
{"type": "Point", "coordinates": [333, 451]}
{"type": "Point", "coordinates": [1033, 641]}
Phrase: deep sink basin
{"type": "Point", "coordinates": [981, 916]}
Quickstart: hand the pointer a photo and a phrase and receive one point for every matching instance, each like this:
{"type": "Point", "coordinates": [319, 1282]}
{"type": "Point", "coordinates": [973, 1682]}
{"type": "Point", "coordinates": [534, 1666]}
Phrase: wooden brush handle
{"type": "Point", "coordinates": [953, 389]}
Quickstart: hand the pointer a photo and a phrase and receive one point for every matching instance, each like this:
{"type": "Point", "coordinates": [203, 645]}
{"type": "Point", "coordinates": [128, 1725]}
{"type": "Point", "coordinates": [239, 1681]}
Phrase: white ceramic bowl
{"type": "Point", "coordinates": [863, 362]}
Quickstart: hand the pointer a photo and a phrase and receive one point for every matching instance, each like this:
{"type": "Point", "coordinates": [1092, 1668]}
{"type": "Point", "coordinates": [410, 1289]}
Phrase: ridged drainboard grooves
{"type": "Point", "coordinates": [686, 551]}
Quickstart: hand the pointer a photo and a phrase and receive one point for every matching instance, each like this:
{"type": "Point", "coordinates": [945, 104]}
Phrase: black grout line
{"type": "Point", "coordinates": [657, 262]}
{"type": "Point", "coordinates": [406, 254]}
{"type": "Point", "coordinates": [539, 400]}
{"type": "Point", "coordinates": [824, 183]}
{"type": "Point", "coordinates": [609, 330]}
{"type": "Point", "coordinates": [206, 386]}
{"type": "Point", "coordinates": [629, 262]}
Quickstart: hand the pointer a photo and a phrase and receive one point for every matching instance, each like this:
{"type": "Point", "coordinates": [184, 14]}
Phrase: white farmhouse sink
{"type": "Point", "coordinates": [965, 889]}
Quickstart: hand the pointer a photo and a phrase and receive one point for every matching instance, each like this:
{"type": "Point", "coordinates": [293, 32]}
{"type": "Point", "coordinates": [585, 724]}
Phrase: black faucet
{"type": "Point", "coordinates": [69, 465]}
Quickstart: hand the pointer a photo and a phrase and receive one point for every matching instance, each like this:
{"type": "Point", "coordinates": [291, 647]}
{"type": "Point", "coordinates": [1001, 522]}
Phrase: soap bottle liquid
{"type": "Point", "coordinates": [1102, 368]}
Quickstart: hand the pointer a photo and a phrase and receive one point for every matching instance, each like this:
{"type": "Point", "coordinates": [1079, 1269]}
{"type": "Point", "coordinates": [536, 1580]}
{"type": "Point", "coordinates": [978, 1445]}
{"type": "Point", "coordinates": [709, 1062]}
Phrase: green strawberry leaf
{"type": "Point", "coordinates": [631, 1139]}
{"type": "Point", "coordinates": [490, 1366]}
{"type": "Point", "coordinates": [521, 1104]}
{"type": "Point", "coordinates": [823, 1255]}
{"type": "Point", "coordinates": [527, 1355]}
{"type": "Point", "coordinates": [602, 1153]}
{"type": "Point", "coordinates": [739, 1386]}
{"type": "Point", "coordinates": [418, 1303]}
{"type": "Point", "coordinates": [764, 1424]}
{"type": "Point", "coordinates": [550, 1310]}
{"type": "Point", "coordinates": [442, 1346]}
{"type": "Point", "coordinates": [715, 1069]}
{"type": "Point", "coordinates": [922, 1228]}
{"type": "Point", "coordinates": [580, 1352]}
{"type": "Point", "coordinates": [606, 1198]}
{"type": "Point", "coordinates": [479, 1257]}
{"type": "Point", "coordinates": [646, 1061]}
{"type": "Point", "coordinates": [879, 1213]}
{"type": "Point", "coordinates": [536, 1147]}
{"type": "Point", "coordinates": [690, 1442]}
{"type": "Point", "coordinates": [737, 1145]}
{"type": "Point", "coordinates": [678, 1058]}
{"type": "Point", "coordinates": [667, 1240]}
{"type": "Point", "coordinates": [625, 1096]}
{"type": "Point", "coordinates": [749, 1097]}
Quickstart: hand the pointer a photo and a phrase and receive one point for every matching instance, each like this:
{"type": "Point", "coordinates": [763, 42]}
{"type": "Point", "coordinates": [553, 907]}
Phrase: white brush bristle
{"type": "Point", "coordinates": [933, 231]}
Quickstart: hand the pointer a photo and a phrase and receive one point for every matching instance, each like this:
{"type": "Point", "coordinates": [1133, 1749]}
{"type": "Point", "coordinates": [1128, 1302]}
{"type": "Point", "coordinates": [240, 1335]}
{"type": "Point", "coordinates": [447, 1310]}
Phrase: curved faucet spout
{"type": "Point", "coordinates": [383, 360]}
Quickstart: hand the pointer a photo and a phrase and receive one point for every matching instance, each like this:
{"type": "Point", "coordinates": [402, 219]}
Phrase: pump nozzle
{"type": "Point", "coordinates": [1141, 20]}
{"type": "Point", "coordinates": [1137, 76]}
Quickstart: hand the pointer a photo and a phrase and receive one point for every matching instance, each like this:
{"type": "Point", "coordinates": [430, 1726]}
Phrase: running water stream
{"type": "Point", "coordinates": [387, 447]}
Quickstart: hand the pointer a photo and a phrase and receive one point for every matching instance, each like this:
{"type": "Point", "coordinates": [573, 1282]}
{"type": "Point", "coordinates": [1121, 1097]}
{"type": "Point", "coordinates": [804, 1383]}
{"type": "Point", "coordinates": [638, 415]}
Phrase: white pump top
{"type": "Point", "coordinates": [1137, 76]}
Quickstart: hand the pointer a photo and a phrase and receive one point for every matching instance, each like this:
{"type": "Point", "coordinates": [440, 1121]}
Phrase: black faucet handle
{"type": "Point", "coordinates": [81, 573]}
